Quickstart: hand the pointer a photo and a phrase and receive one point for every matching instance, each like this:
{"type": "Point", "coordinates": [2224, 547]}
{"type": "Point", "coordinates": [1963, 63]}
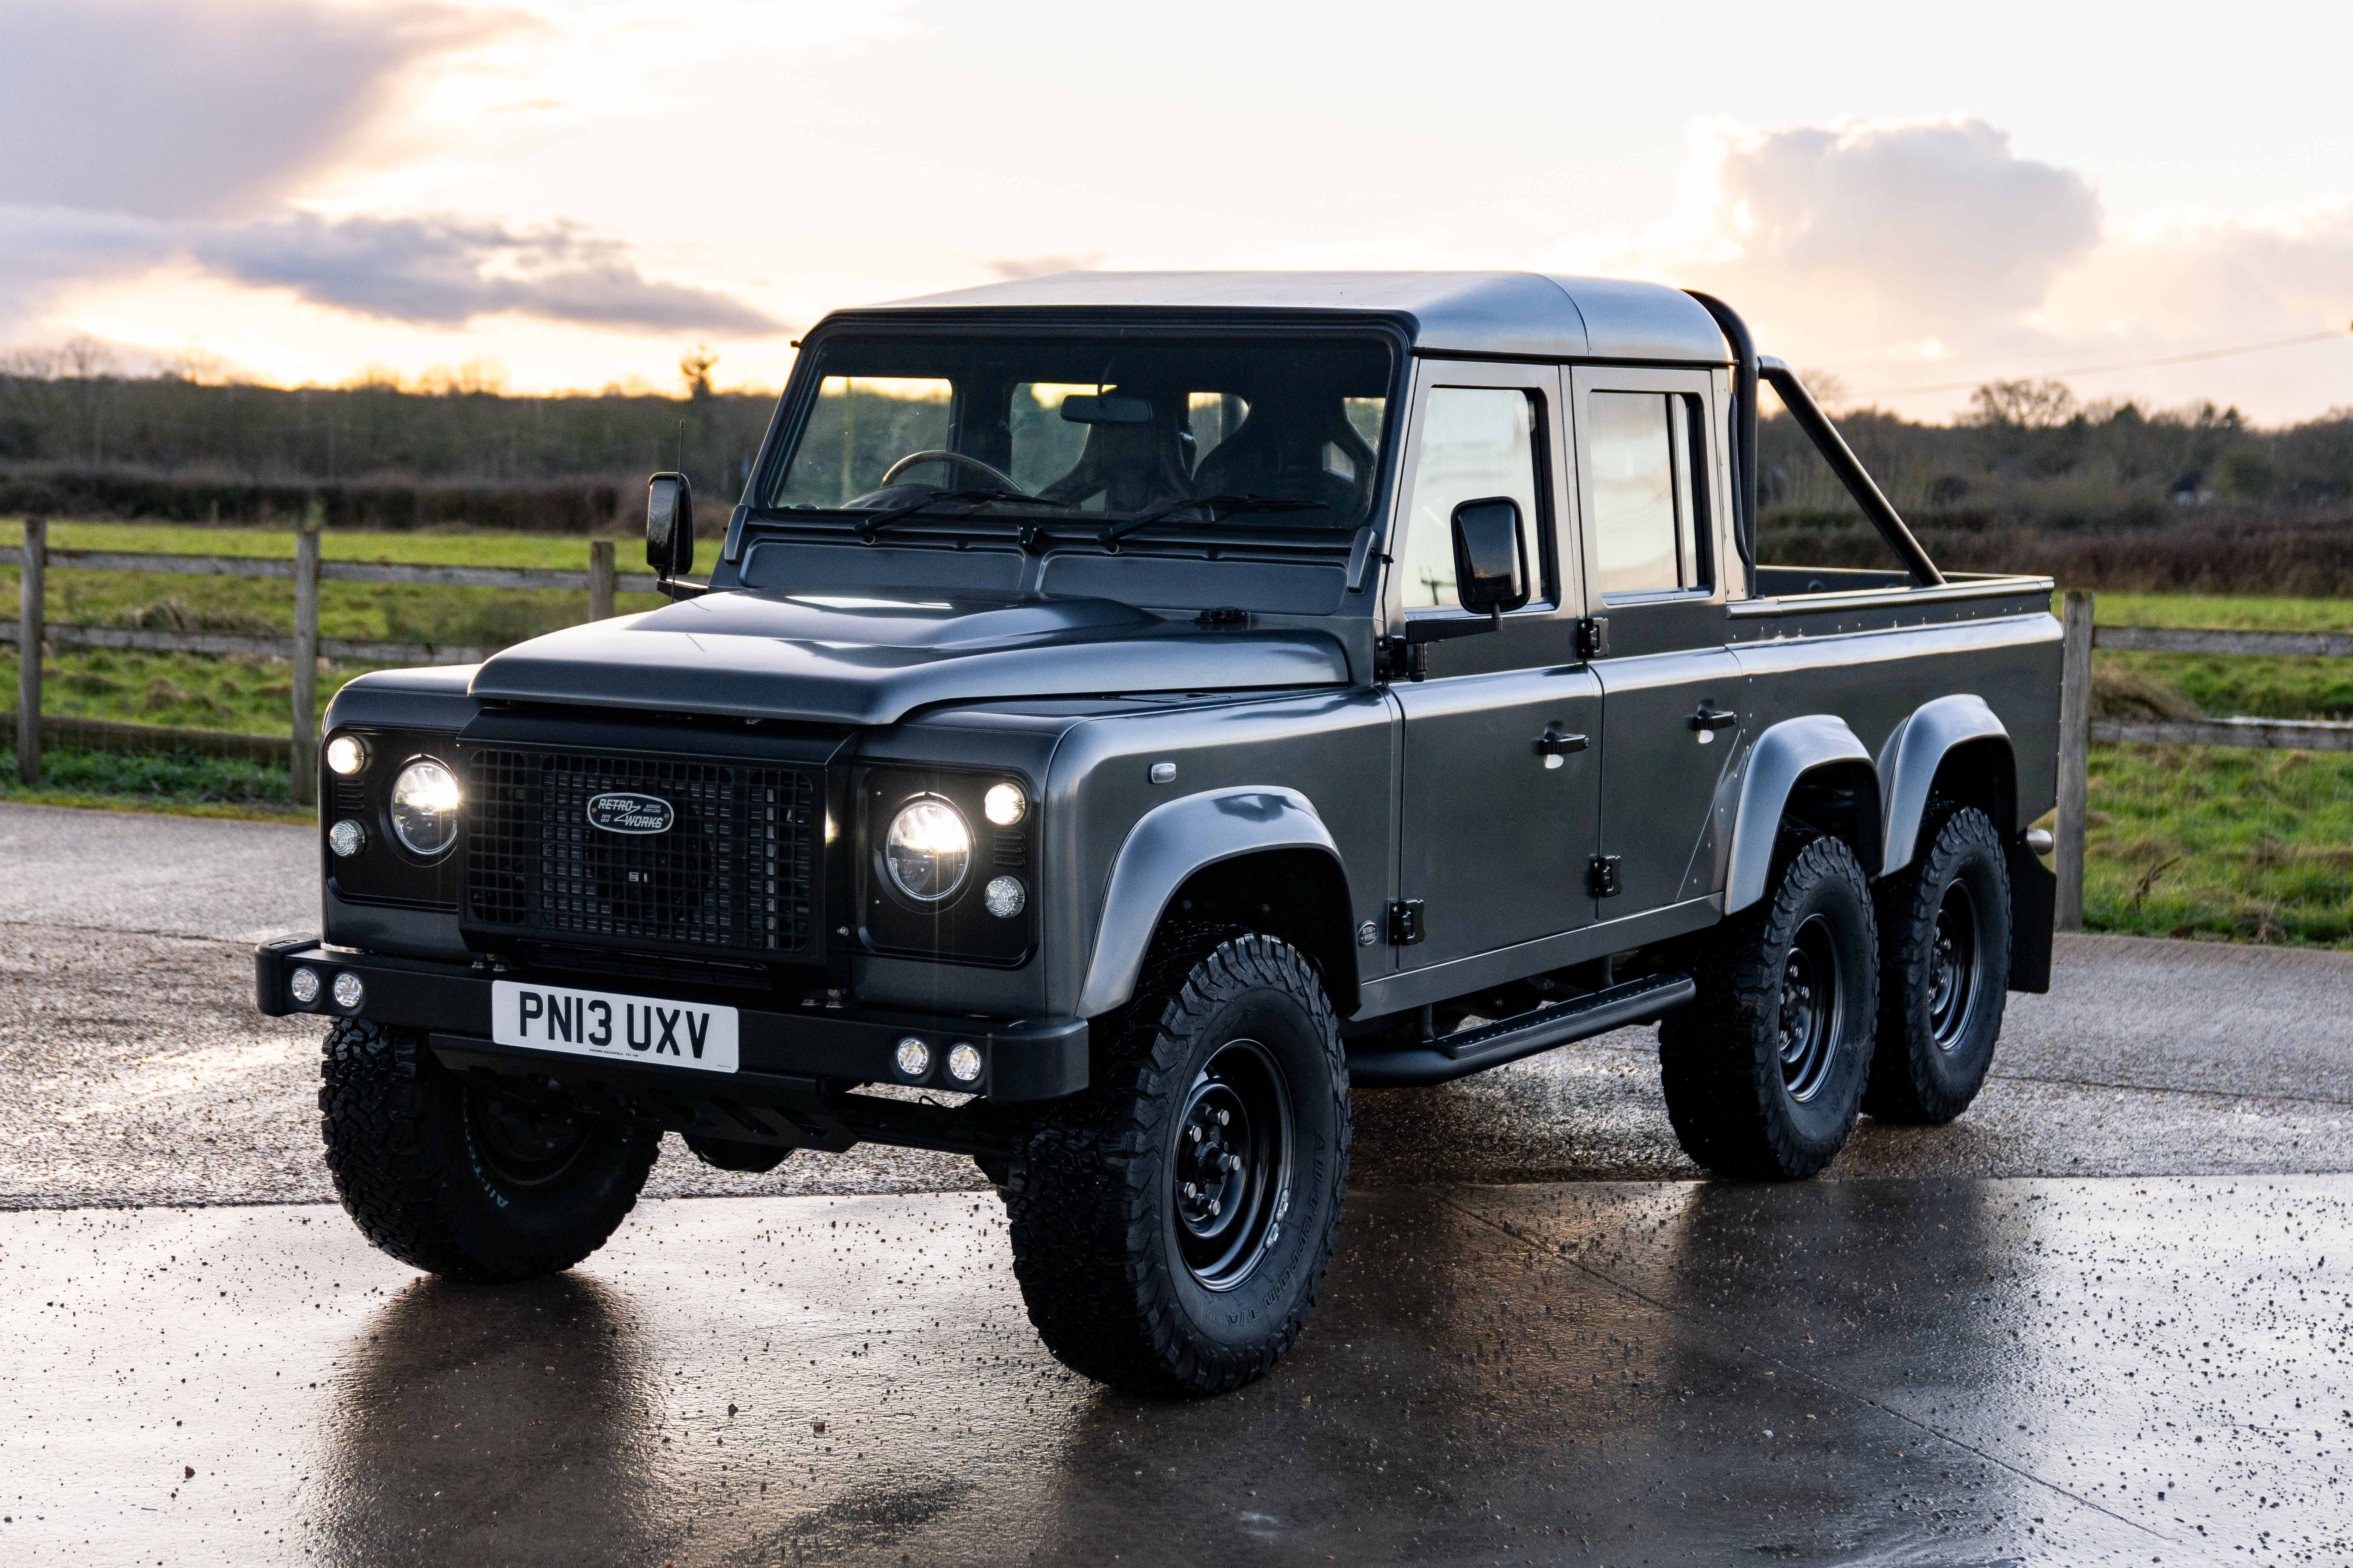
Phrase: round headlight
{"type": "Point", "coordinates": [964, 1062]}
{"type": "Point", "coordinates": [346, 754]}
{"type": "Point", "coordinates": [347, 838]}
{"type": "Point", "coordinates": [425, 806]}
{"type": "Point", "coordinates": [348, 990]}
{"type": "Point", "coordinates": [303, 986]}
{"type": "Point", "coordinates": [1004, 897]}
{"type": "Point", "coordinates": [928, 849]}
{"type": "Point", "coordinates": [913, 1056]}
{"type": "Point", "coordinates": [1005, 803]}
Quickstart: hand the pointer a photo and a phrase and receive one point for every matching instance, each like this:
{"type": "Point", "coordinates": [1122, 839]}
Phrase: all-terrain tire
{"type": "Point", "coordinates": [1744, 1098]}
{"type": "Point", "coordinates": [1944, 924]}
{"type": "Point", "coordinates": [1116, 1253]}
{"type": "Point", "coordinates": [420, 1166]}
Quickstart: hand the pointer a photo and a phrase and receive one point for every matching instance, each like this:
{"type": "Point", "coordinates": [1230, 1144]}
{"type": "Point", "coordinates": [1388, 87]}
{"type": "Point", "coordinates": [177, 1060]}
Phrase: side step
{"type": "Point", "coordinates": [1467, 1051]}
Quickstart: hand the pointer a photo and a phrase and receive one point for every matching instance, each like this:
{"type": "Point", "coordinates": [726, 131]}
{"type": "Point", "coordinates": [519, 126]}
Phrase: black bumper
{"type": "Point", "coordinates": [1028, 1060]}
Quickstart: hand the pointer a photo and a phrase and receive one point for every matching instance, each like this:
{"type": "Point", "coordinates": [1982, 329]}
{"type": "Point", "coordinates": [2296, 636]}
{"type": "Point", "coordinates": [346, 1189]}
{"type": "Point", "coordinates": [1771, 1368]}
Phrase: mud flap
{"type": "Point", "coordinates": [2033, 901]}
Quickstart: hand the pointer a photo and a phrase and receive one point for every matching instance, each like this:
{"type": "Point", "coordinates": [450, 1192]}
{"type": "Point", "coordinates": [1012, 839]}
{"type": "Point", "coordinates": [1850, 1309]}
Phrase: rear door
{"type": "Point", "coordinates": [1671, 711]}
{"type": "Point", "coordinates": [1495, 828]}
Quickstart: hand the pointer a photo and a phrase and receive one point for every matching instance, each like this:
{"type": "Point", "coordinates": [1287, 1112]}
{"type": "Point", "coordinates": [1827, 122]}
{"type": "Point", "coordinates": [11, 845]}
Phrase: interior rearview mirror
{"type": "Point", "coordinates": [1491, 565]}
{"type": "Point", "coordinates": [1087, 408]}
{"type": "Point", "coordinates": [670, 525]}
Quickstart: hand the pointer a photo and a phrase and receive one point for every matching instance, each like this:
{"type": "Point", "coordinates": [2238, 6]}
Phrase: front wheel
{"type": "Point", "coordinates": [1171, 1225]}
{"type": "Point", "coordinates": [462, 1178]}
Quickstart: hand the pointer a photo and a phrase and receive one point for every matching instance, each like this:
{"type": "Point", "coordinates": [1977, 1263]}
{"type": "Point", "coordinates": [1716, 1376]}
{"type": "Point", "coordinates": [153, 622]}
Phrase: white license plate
{"type": "Point", "coordinates": [613, 1028]}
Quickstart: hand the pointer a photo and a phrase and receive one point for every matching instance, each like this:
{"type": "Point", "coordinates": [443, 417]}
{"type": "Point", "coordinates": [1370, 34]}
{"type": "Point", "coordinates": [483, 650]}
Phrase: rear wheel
{"type": "Point", "coordinates": [465, 1178]}
{"type": "Point", "coordinates": [1763, 1070]}
{"type": "Point", "coordinates": [1945, 924]}
{"type": "Point", "coordinates": [1171, 1225]}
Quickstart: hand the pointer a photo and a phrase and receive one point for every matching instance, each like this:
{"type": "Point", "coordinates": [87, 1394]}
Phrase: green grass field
{"type": "Point", "coordinates": [2242, 845]}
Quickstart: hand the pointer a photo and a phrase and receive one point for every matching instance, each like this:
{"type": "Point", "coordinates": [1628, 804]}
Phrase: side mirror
{"type": "Point", "coordinates": [1491, 565]}
{"type": "Point", "coordinates": [670, 525]}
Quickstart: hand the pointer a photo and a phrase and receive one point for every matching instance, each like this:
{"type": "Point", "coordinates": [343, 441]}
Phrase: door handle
{"type": "Point", "coordinates": [1708, 721]}
{"type": "Point", "coordinates": [1555, 743]}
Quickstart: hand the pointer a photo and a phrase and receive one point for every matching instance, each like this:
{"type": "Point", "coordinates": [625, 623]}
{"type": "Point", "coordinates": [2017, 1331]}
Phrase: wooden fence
{"type": "Point", "coordinates": [2078, 729]}
{"type": "Point", "coordinates": [32, 632]}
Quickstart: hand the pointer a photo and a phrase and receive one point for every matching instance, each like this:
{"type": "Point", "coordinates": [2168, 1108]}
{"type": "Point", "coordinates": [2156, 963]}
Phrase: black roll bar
{"type": "Point", "coordinates": [1748, 366]}
{"type": "Point", "coordinates": [1744, 423]}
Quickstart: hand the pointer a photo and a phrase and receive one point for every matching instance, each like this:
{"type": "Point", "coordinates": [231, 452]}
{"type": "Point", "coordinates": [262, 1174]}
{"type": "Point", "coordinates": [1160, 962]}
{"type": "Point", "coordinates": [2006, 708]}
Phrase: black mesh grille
{"type": "Point", "coordinates": [734, 872]}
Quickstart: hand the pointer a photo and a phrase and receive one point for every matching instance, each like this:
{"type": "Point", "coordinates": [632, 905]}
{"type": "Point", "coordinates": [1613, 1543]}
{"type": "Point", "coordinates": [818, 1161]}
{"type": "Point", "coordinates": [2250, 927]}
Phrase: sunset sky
{"type": "Point", "coordinates": [1905, 196]}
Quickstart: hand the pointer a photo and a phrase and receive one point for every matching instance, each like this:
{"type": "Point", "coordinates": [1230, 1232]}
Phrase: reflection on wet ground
{"type": "Point", "coordinates": [1903, 1370]}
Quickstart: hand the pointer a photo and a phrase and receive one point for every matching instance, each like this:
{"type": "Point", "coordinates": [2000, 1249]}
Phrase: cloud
{"type": "Point", "coordinates": [1922, 227]}
{"type": "Point", "coordinates": [200, 108]}
{"type": "Point", "coordinates": [425, 271]}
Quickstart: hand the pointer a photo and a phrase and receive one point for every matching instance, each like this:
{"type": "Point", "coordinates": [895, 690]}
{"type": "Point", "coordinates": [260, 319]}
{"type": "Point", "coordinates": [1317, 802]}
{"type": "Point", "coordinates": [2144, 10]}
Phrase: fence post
{"type": "Point", "coordinates": [29, 633]}
{"type": "Point", "coordinates": [2074, 755]}
{"type": "Point", "coordinates": [303, 764]}
{"type": "Point", "coordinates": [603, 579]}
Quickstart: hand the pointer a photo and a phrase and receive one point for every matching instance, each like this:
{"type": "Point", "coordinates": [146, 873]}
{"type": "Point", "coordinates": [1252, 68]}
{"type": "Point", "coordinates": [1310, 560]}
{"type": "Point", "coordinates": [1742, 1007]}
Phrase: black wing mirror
{"type": "Point", "coordinates": [1491, 564]}
{"type": "Point", "coordinates": [670, 525]}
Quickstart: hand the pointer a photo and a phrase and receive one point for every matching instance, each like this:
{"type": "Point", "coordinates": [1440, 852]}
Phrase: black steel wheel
{"type": "Point", "coordinates": [1171, 1226]}
{"type": "Point", "coordinates": [1231, 1165]}
{"type": "Point", "coordinates": [1809, 1017]}
{"type": "Point", "coordinates": [466, 1179]}
{"type": "Point", "coordinates": [1764, 1070]}
{"type": "Point", "coordinates": [1945, 973]}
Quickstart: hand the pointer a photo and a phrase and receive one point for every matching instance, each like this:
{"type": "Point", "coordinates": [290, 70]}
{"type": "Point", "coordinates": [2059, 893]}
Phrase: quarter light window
{"type": "Point", "coordinates": [1649, 517]}
{"type": "Point", "coordinates": [1476, 442]}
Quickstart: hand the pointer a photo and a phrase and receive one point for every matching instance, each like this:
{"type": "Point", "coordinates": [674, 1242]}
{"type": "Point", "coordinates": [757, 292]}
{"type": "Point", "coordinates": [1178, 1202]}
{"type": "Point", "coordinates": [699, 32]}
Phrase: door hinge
{"type": "Point", "coordinates": [1405, 923]}
{"type": "Point", "coordinates": [1593, 638]}
{"type": "Point", "coordinates": [1601, 877]}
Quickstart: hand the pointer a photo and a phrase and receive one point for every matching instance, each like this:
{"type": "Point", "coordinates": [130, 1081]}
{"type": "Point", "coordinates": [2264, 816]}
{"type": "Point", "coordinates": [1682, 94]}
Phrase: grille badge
{"type": "Point", "coordinates": [627, 813]}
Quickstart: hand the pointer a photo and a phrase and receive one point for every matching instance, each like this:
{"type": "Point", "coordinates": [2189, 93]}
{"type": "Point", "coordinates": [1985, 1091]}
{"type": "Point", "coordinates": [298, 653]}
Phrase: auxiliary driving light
{"type": "Point", "coordinates": [964, 1062]}
{"type": "Point", "coordinates": [346, 754]}
{"type": "Point", "coordinates": [348, 990]}
{"type": "Point", "coordinates": [913, 1057]}
{"type": "Point", "coordinates": [347, 838]}
{"type": "Point", "coordinates": [1004, 897]}
{"type": "Point", "coordinates": [303, 986]}
{"type": "Point", "coordinates": [1003, 805]}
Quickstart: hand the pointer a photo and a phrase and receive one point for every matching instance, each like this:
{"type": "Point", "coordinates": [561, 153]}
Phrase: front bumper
{"type": "Point", "coordinates": [782, 1050]}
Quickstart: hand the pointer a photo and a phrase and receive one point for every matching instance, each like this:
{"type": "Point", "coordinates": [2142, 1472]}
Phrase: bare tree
{"type": "Point", "coordinates": [2022, 404]}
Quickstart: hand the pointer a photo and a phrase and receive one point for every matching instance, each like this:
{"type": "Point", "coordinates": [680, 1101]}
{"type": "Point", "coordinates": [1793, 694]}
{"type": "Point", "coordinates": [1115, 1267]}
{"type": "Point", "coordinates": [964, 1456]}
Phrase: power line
{"type": "Point", "coordinates": [2134, 364]}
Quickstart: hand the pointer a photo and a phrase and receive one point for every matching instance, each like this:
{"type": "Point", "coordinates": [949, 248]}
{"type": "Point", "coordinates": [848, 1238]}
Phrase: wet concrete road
{"type": "Point", "coordinates": [1975, 1355]}
{"type": "Point", "coordinates": [1881, 1372]}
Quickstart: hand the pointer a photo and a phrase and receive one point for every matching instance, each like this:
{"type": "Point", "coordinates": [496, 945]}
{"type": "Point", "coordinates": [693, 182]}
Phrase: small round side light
{"type": "Point", "coordinates": [346, 754]}
{"type": "Point", "coordinates": [1004, 897]}
{"type": "Point", "coordinates": [964, 1062]}
{"type": "Point", "coordinates": [303, 986]}
{"type": "Point", "coordinates": [349, 992]}
{"type": "Point", "coordinates": [912, 1058]}
{"type": "Point", "coordinates": [1005, 805]}
{"type": "Point", "coordinates": [347, 838]}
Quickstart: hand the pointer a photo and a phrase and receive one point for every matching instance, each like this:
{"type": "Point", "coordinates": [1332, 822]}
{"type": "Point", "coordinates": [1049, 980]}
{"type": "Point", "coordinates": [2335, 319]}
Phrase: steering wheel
{"type": "Point", "coordinates": [1003, 480]}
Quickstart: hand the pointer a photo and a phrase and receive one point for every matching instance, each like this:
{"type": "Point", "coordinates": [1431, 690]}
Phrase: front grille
{"type": "Point", "coordinates": [735, 872]}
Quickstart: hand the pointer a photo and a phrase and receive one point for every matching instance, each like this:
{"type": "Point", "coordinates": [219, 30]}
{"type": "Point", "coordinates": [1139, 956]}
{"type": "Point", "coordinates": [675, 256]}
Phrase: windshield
{"type": "Point", "coordinates": [1107, 426]}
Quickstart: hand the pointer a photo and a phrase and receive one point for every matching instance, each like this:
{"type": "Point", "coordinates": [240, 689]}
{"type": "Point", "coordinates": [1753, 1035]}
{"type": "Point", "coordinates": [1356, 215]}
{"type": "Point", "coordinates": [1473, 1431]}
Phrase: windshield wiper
{"type": "Point", "coordinates": [1109, 537]}
{"type": "Point", "coordinates": [868, 527]}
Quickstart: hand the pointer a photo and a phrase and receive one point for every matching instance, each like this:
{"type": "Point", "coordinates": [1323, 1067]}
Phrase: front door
{"type": "Point", "coordinates": [1673, 709]}
{"type": "Point", "coordinates": [1496, 824]}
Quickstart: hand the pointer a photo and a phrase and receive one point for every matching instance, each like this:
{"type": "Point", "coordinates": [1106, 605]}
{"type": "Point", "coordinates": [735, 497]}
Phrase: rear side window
{"type": "Point", "coordinates": [1649, 517]}
{"type": "Point", "coordinates": [1476, 442]}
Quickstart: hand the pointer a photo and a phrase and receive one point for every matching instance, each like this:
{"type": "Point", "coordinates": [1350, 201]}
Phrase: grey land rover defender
{"type": "Point", "coordinates": [1129, 710]}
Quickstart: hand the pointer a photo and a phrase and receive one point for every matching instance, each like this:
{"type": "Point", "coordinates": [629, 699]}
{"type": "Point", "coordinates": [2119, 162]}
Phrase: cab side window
{"type": "Point", "coordinates": [1650, 521]}
{"type": "Point", "coordinates": [1476, 442]}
